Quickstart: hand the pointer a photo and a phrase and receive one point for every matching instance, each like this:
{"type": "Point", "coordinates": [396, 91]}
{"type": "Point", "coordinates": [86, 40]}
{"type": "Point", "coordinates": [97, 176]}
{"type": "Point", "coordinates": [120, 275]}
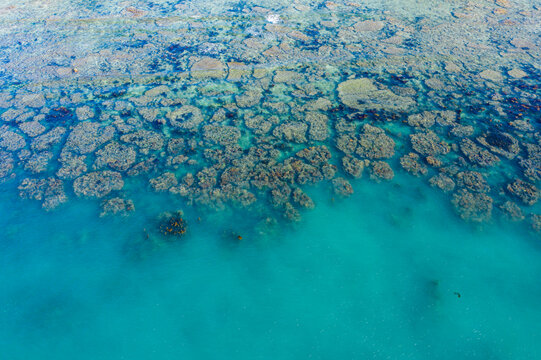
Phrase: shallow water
{"type": "Point", "coordinates": [357, 180]}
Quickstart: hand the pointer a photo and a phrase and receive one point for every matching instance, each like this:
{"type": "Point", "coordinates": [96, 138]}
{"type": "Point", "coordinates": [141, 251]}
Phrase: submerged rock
{"type": "Point", "coordinates": [164, 182]}
{"type": "Point", "coordinates": [473, 181]}
{"type": "Point", "coordinates": [500, 143]}
{"type": "Point", "coordinates": [524, 191]}
{"type": "Point", "coordinates": [535, 220]}
{"type": "Point", "coordinates": [49, 139]}
{"type": "Point", "coordinates": [443, 182]}
{"type": "Point", "coordinates": [72, 165]}
{"type": "Point", "coordinates": [116, 206]}
{"type": "Point", "coordinates": [186, 117]}
{"type": "Point", "coordinates": [146, 140]}
{"type": "Point", "coordinates": [532, 162]}
{"type": "Point", "coordinates": [511, 211]}
{"type": "Point", "coordinates": [374, 144]}
{"type": "Point", "coordinates": [475, 207]}
{"type": "Point", "coordinates": [476, 154]}
{"type": "Point", "coordinates": [173, 225]}
{"type": "Point", "coordinates": [428, 143]}
{"type": "Point", "coordinates": [410, 163]}
{"type": "Point", "coordinates": [294, 131]}
{"type": "Point", "coordinates": [342, 187]}
{"type": "Point", "coordinates": [98, 184]}
{"type": "Point", "coordinates": [380, 170]}
{"type": "Point", "coordinates": [50, 191]}
{"type": "Point", "coordinates": [6, 164]}
{"type": "Point", "coordinates": [116, 156]}
{"type": "Point", "coordinates": [353, 166]}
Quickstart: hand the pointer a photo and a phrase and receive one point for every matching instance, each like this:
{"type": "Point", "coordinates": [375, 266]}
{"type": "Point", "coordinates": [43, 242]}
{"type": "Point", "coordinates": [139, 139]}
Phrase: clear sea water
{"type": "Point", "coordinates": [372, 276]}
{"type": "Point", "coordinates": [390, 272]}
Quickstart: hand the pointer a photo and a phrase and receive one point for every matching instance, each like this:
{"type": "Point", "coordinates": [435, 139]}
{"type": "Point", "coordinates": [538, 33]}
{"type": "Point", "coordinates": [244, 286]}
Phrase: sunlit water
{"type": "Point", "coordinates": [397, 270]}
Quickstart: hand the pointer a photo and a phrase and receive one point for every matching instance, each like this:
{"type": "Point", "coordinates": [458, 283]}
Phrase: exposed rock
{"type": "Point", "coordinates": [146, 140]}
{"type": "Point", "coordinates": [32, 100]}
{"type": "Point", "coordinates": [84, 113]}
{"type": "Point", "coordinates": [221, 134]}
{"type": "Point", "coordinates": [186, 117]}
{"type": "Point", "coordinates": [524, 191]}
{"type": "Point", "coordinates": [208, 67]}
{"type": "Point", "coordinates": [249, 98]}
{"type": "Point", "coordinates": [87, 137]}
{"type": "Point", "coordinates": [32, 128]}
{"type": "Point", "coordinates": [475, 207]}
{"type": "Point", "coordinates": [363, 94]}
{"type": "Point", "coordinates": [374, 144]}
{"type": "Point", "coordinates": [492, 75]}
{"type": "Point", "coordinates": [11, 141]}
{"type": "Point", "coordinates": [462, 131]}
{"type": "Point", "coordinates": [517, 73]}
{"type": "Point", "coordinates": [346, 143]}
{"type": "Point", "coordinates": [98, 183]}
{"type": "Point", "coordinates": [369, 25]}
{"type": "Point", "coordinates": [433, 161]}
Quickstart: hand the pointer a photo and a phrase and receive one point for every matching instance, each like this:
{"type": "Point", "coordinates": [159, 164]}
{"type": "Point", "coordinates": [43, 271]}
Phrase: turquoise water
{"type": "Point", "coordinates": [370, 276]}
{"type": "Point", "coordinates": [280, 180]}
